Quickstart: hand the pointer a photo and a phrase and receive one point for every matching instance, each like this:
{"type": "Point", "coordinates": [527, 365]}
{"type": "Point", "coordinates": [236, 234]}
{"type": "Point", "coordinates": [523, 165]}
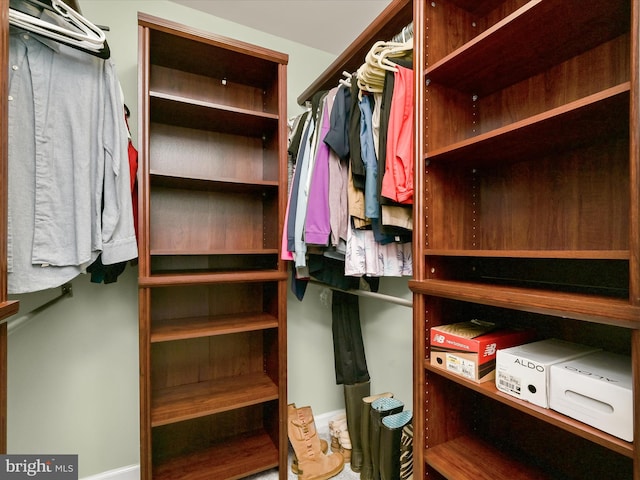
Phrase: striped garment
{"type": "Point", "coordinates": [406, 453]}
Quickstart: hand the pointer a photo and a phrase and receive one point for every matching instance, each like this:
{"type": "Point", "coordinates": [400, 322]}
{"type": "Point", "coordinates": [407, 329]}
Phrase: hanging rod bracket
{"type": "Point", "coordinates": [66, 290]}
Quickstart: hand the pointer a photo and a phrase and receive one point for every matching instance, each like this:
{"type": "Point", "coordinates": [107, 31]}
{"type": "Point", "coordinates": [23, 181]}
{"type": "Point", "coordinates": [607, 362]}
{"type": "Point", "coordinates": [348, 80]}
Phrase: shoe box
{"type": "Point", "coordinates": [469, 348]}
{"type": "Point", "coordinates": [595, 389]}
{"type": "Point", "coordinates": [523, 371]}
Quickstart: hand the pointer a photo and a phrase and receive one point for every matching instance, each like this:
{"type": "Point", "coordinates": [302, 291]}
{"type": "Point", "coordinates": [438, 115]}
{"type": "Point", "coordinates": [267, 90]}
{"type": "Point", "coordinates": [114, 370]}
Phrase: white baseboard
{"type": "Point", "coordinates": [131, 472]}
{"type": "Point", "coordinates": [323, 418]}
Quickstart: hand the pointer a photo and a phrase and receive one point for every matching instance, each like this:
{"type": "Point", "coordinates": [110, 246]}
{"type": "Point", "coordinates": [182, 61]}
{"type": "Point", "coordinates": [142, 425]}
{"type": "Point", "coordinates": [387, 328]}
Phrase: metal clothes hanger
{"type": "Point", "coordinates": [84, 35]}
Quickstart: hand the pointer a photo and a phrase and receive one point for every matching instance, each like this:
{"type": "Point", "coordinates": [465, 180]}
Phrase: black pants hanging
{"type": "Point", "coordinates": [348, 346]}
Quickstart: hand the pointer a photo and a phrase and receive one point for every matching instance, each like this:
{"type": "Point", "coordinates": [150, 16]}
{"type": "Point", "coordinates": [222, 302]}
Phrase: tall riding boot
{"type": "Point", "coordinates": [366, 473]}
{"type": "Point", "coordinates": [380, 408]}
{"type": "Point", "coordinates": [353, 395]}
{"type": "Point", "coordinates": [390, 444]}
{"type": "Point", "coordinates": [312, 463]}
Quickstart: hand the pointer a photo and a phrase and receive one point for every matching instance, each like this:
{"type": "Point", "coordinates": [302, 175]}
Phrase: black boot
{"type": "Point", "coordinates": [366, 473]}
{"type": "Point", "coordinates": [353, 395]}
{"type": "Point", "coordinates": [390, 444]}
{"type": "Point", "coordinates": [380, 408]}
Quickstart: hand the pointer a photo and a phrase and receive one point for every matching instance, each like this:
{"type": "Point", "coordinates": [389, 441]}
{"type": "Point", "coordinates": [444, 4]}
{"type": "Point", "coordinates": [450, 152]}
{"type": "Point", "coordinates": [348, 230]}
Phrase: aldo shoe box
{"type": "Point", "coordinates": [597, 390]}
{"type": "Point", "coordinates": [523, 371]}
{"type": "Point", "coordinates": [469, 348]}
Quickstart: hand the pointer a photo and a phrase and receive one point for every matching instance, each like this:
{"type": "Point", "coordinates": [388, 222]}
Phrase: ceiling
{"type": "Point", "coordinates": [328, 25]}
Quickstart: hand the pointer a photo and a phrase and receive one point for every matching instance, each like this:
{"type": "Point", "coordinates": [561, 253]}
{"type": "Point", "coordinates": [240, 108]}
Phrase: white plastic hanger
{"type": "Point", "coordinates": [392, 51]}
{"type": "Point", "coordinates": [85, 35]}
{"type": "Point", "coordinates": [346, 81]}
{"type": "Point", "coordinates": [372, 72]}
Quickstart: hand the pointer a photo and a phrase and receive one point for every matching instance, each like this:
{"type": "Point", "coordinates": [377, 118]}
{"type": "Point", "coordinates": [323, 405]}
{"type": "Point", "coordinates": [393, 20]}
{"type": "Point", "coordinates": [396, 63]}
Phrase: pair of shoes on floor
{"type": "Point", "coordinates": [324, 446]}
{"type": "Point", "coordinates": [340, 439]}
{"type": "Point", "coordinates": [381, 433]}
{"type": "Point", "coordinates": [311, 462]}
{"type": "Point", "coordinates": [390, 441]}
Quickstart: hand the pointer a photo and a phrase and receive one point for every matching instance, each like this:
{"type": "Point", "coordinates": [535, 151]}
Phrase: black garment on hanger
{"type": "Point", "coordinates": [337, 137]}
{"type": "Point", "coordinates": [357, 165]}
{"type": "Point", "coordinates": [330, 271]}
{"type": "Point", "coordinates": [348, 346]}
{"type": "Point", "coordinates": [296, 138]}
{"type": "Point", "coordinates": [398, 233]}
{"type": "Point", "coordinates": [105, 273]}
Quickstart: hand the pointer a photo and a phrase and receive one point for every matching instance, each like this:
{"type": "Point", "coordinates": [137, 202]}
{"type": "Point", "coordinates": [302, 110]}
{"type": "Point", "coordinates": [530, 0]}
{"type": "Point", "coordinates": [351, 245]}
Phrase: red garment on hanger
{"type": "Point", "coordinates": [133, 174]}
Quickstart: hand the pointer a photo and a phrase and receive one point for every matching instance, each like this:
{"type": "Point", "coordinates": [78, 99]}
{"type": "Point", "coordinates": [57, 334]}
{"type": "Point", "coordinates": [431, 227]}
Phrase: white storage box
{"type": "Point", "coordinates": [523, 371]}
{"type": "Point", "coordinates": [596, 389]}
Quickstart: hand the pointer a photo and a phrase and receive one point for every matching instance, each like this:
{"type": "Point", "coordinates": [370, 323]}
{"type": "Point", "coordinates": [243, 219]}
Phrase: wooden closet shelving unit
{"type": "Point", "coordinates": [213, 383]}
{"type": "Point", "coordinates": [527, 168]}
{"type": "Point", "coordinates": [7, 307]}
{"type": "Point", "coordinates": [527, 211]}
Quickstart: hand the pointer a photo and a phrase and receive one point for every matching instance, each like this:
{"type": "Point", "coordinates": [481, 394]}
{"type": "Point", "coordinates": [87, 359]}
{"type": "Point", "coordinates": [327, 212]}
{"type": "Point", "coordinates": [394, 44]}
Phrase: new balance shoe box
{"type": "Point", "coordinates": [469, 348]}
{"type": "Point", "coordinates": [523, 371]}
{"type": "Point", "coordinates": [597, 390]}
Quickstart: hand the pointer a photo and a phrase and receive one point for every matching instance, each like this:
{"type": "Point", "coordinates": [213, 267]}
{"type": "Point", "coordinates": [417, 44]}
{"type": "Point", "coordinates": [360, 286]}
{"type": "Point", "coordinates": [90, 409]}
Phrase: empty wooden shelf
{"type": "Point", "coordinates": [212, 285]}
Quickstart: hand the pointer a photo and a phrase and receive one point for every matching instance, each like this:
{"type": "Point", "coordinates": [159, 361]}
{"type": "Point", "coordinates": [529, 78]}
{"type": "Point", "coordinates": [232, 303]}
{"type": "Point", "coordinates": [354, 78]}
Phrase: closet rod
{"type": "Point", "coordinates": [66, 291]}
{"type": "Point", "coordinates": [364, 293]}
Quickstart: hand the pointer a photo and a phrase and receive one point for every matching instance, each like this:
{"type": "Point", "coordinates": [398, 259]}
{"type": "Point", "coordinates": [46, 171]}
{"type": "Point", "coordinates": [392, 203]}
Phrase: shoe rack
{"type": "Point", "coordinates": [212, 287]}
